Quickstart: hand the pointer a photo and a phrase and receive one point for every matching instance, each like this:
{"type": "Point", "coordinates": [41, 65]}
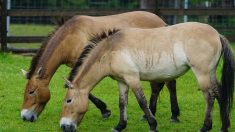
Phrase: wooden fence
{"type": "Point", "coordinates": [4, 39]}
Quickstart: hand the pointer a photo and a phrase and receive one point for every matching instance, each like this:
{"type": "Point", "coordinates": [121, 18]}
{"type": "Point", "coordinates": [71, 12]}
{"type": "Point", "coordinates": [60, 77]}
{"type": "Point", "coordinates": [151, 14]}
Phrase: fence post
{"type": "Point", "coordinates": [156, 9]}
{"type": "Point", "coordinates": [147, 4]}
{"type": "Point", "coordinates": [3, 25]}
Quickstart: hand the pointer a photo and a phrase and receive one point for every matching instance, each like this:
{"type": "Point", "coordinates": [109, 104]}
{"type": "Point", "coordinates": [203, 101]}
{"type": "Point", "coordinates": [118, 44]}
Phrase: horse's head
{"type": "Point", "coordinates": [74, 108]}
{"type": "Point", "coordinates": [36, 96]}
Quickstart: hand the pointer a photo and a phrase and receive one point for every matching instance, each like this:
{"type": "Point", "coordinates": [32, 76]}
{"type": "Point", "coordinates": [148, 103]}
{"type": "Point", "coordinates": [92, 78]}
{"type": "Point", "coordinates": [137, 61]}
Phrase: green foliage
{"type": "Point", "coordinates": [200, 1]}
{"type": "Point", "coordinates": [75, 4]}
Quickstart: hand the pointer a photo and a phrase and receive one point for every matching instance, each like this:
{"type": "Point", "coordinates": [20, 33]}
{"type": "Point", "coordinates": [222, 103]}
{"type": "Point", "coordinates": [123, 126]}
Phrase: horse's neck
{"type": "Point", "coordinates": [89, 79]}
{"type": "Point", "coordinates": [52, 65]}
{"type": "Point", "coordinates": [94, 69]}
{"type": "Point", "coordinates": [62, 51]}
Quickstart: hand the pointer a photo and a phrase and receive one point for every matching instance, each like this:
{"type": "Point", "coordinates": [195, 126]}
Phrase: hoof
{"type": "Point", "coordinates": [174, 120]}
{"type": "Point", "coordinates": [106, 114]}
{"type": "Point", "coordinates": [114, 130]}
{"type": "Point", "coordinates": [221, 130]}
{"type": "Point", "coordinates": [205, 128]}
{"type": "Point", "coordinates": [143, 118]}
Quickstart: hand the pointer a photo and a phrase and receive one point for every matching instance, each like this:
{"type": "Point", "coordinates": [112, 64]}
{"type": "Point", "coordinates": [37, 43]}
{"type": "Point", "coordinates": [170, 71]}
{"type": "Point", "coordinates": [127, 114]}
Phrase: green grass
{"type": "Point", "coordinates": [12, 84]}
{"type": "Point", "coordinates": [29, 30]}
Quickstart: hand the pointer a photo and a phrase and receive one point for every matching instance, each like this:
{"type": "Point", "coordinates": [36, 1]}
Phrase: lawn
{"type": "Point", "coordinates": [29, 30]}
{"type": "Point", "coordinates": [12, 84]}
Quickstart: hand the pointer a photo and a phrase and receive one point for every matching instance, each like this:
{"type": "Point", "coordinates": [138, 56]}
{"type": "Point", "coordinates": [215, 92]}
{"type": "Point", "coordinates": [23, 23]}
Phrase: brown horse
{"type": "Point", "coordinates": [64, 47]}
{"type": "Point", "coordinates": [159, 54]}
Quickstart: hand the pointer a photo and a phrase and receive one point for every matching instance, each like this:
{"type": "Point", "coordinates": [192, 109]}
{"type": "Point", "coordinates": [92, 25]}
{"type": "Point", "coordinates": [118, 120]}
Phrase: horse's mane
{"type": "Point", "coordinates": [92, 43]}
{"type": "Point", "coordinates": [39, 53]}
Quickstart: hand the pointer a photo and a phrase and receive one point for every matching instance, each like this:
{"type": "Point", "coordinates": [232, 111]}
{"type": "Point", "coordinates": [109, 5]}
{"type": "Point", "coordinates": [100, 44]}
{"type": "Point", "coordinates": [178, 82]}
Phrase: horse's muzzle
{"type": "Point", "coordinates": [28, 115]}
{"type": "Point", "coordinates": [67, 125]}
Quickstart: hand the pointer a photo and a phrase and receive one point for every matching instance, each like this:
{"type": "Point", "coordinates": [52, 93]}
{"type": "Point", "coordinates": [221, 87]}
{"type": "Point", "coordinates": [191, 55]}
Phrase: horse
{"type": "Point", "coordinates": [64, 46]}
{"type": "Point", "coordinates": [159, 54]}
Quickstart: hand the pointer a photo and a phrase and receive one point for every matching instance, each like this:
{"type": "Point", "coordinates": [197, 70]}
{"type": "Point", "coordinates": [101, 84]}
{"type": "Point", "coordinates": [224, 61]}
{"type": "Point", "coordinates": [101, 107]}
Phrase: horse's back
{"type": "Point", "coordinates": [195, 37]}
{"type": "Point", "coordinates": [136, 19]}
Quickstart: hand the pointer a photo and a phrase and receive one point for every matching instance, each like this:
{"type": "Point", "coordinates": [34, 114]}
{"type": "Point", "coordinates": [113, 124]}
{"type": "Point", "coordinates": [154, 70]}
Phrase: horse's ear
{"type": "Point", "coordinates": [68, 84]}
{"type": "Point", "coordinates": [39, 73]}
{"type": "Point", "coordinates": [24, 73]}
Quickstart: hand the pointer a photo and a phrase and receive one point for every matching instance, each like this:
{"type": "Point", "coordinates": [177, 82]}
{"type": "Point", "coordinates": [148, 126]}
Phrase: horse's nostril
{"type": "Point", "coordinates": [32, 118]}
{"type": "Point", "coordinates": [24, 118]}
{"type": "Point", "coordinates": [68, 128]}
{"type": "Point", "coordinates": [63, 127]}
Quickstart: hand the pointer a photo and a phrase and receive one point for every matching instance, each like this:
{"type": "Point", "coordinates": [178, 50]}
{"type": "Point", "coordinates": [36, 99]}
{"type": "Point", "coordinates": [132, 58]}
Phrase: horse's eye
{"type": "Point", "coordinates": [68, 101]}
{"type": "Point", "coordinates": [31, 92]}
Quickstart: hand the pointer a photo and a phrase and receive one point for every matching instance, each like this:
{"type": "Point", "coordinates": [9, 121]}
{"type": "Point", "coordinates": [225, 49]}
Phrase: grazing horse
{"type": "Point", "coordinates": [64, 47]}
{"type": "Point", "coordinates": [159, 54]}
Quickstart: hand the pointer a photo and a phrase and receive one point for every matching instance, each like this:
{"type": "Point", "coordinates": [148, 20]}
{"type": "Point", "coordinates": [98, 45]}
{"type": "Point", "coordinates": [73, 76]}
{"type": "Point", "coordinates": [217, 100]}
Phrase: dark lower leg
{"type": "Point", "coordinates": [143, 104]}
{"type": "Point", "coordinates": [173, 98]}
{"type": "Point", "coordinates": [156, 88]}
{"type": "Point", "coordinates": [123, 97]}
{"type": "Point", "coordinates": [209, 96]}
{"type": "Point", "coordinates": [100, 105]}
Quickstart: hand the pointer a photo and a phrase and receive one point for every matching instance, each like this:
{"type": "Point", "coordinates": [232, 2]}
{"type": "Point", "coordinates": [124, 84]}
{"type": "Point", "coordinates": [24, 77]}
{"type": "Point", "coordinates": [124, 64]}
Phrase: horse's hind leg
{"type": "Point", "coordinates": [155, 89]}
{"type": "Point", "coordinates": [209, 97]}
{"type": "Point", "coordinates": [215, 93]}
{"type": "Point", "coordinates": [171, 85]}
{"type": "Point", "coordinates": [100, 105]}
{"type": "Point", "coordinates": [207, 83]}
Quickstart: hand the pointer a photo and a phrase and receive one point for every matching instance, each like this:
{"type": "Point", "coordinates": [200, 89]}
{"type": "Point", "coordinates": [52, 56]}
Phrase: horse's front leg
{"type": "Point", "coordinates": [171, 85]}
{"type": "Point", "coordinates": [100, 105]}
{"type": "Point", "coordinates": [134, 83]}
{"type": "Point", "coordinates": [143, 104]}
{"type": "Point", "coordinates": [123, 98]}
{"type": "Point", "coordinates": [155, 89]}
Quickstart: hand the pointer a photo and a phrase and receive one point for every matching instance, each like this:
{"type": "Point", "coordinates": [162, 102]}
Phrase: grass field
{"type": "Point", "coordinates": [29, 30]}
{"type": "Point", "coordinates": [12, 84]}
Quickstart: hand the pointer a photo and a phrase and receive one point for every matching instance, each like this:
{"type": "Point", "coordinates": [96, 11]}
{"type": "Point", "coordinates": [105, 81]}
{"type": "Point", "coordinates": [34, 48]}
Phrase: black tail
{"type": "Point", "coordinates": [227, 80]}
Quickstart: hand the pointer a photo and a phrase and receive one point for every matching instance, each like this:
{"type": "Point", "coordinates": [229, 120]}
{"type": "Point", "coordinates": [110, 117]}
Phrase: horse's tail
{"type": "Point", "coordinates": [227, 80]}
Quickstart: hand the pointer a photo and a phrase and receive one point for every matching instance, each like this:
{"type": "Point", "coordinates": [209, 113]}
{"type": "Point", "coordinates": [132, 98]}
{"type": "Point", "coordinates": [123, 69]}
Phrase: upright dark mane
{"type": "Point", "coordinates": [91, 44]}
{"type": "Point", "coordinates": [39, 53]}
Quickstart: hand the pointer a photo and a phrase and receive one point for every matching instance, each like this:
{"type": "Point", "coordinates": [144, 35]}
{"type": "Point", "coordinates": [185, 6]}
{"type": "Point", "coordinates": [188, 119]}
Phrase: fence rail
{"type": "Point", "coordinates": [94, 12]}
{"type": "Point", "coordinates": [25, 39]}
{"type": "Point", "coordinates": [4, 39]}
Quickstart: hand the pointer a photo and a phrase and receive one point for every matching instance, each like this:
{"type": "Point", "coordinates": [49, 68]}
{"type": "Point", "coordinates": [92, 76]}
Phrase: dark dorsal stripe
{"type": "Point", "coordinates": [38, 55]}
{"type": "Point", "coordinates": [91, 44]}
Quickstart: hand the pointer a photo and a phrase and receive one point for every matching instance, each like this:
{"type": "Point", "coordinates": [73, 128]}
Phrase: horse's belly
{"type": "Point", "coordinates": [163, 73]}
{"type": "Point", "coordinates": [165, 66]}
